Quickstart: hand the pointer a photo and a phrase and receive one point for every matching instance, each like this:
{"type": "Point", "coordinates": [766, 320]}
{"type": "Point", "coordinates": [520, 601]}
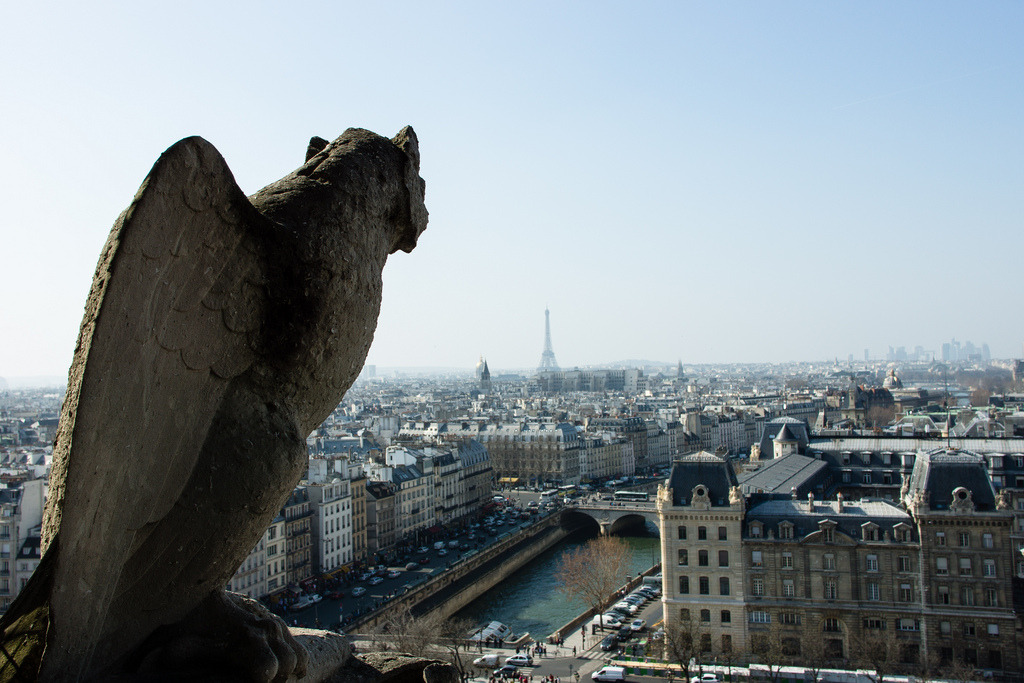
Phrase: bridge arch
{"type": "Point", "coordinates": [611, 519]}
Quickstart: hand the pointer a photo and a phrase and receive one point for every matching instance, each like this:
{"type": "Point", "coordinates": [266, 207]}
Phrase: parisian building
{"type": "Point", "coordinates": [928, 573]}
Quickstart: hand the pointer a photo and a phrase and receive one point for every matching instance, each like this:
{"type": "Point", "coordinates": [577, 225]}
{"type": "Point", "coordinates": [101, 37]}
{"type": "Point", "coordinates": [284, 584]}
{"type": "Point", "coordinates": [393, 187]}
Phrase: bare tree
{"type": "Point", "coordinates": [594, 571]}
{"type": "Point", "coordinates": [774, 649]}
{"type": "Point", "coordinates": [979, 397]}
{"type": "Point", "coordinates": [429, 636]}
{"type": "Point", "coordinates": [876, 652]}
{"type": "Point", "coordinates": [401, 632]}
{"type": "Point", "coordinates": [814, 656]}
{"type": "Point", "coordinates": [879, 416]}
{"type": "Point", "coordinates": [452, 637]}
{"type": "Point", "coordinates": [683, 638]}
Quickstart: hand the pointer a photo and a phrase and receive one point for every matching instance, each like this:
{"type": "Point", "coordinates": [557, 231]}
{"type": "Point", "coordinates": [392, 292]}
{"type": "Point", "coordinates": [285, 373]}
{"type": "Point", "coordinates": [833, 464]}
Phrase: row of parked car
{"type": "Point", "coordinates": [620, 616]}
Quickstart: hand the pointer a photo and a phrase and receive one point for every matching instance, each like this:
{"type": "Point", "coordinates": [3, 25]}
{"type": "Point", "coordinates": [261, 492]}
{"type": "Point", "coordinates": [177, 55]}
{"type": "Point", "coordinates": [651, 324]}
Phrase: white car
{"type": "Point", "coordinates": [638, 625]}
{"type": "Point", "coordinates": [612, 619]}
{"type": "Point", "coordinates": [519, 660]}
{"type": "Point", "coordinates": [705, 678]}
{"type": "Point", "coordinates": [632, 609]}
{"type": "Point", "coordinates": [357, 591]}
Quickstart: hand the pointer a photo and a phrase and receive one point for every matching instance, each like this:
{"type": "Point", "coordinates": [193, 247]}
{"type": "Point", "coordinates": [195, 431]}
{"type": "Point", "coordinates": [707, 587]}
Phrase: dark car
{"type": "Point", "coordinates": [506, 670]}
{"type": "Point", "coordinates": [335, 595]}
{"type": "Point", "coordinates": [624, 633]}
{"type": "Point", "coordinates": [412, 565]}
{"type": "Point", "coordinates": [424, 560]}
{"type": "Point", "coordinates": [610, 642]}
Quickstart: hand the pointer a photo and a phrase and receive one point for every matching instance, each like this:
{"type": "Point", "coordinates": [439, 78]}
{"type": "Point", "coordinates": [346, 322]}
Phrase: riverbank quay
{"type": "Point", "coordinates": [580, 621]}
{"type": "Point", "coordinates": [471, 577]}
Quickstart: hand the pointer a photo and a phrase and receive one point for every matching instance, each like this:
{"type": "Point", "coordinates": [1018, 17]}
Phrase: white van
{"type": "Point", "coordinates": [609, 673]}
{"type": "Point", "coordinates": [486, 662]}
{"type": "Point", "coordinates": [438, 545]}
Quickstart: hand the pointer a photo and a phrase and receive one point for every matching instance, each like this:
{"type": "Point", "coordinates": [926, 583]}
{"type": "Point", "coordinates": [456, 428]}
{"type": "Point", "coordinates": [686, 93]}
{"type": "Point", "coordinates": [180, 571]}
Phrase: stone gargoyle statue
{"type": "Point", "coordinates": [220, 330]}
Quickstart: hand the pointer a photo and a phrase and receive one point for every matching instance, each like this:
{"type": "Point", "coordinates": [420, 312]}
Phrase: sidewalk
{"type": "Point", "coordinates": [559, 660]}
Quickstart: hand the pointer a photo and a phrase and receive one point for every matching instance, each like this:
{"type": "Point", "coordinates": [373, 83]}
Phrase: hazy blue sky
{"type": "Point", "coordinates": [755, 181]}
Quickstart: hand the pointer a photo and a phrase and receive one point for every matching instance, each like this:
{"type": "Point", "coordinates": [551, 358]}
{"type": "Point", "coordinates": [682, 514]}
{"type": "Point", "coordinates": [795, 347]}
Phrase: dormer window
{"type": "Point", "coordinates": [869, 531]}
{"type": "Point", "coordinates": [756, 529]}
{"type": "Point", "coordinates": [828, 531]}
{"type": "Point", "coordinates": [902, 533]}
{"type": "Point", "coordinates": [786, 530]}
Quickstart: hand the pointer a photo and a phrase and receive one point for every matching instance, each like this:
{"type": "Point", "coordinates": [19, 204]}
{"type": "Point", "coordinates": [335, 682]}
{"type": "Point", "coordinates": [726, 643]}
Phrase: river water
{"type": "Point", "coordinates": [530, 600]}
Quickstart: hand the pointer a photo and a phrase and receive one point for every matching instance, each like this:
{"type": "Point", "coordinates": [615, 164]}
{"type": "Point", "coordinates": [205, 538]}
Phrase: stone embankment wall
{"type": "Point", "coordinates": [471, 578]}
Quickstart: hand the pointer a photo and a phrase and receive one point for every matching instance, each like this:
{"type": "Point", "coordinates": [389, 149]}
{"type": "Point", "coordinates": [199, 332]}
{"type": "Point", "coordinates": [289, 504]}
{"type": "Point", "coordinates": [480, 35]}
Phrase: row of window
{"type": "Point", "coordinates": [703, 585]}
{"type": "Point", "coordinates": [904, 563]}
{"type": "Point", "coordinates": [964, 539]}
{"type": "Point", "coordinates": [988, 567]}
{"type": "Point", "coordinates": [702, 533]}
{"type": "Point", "coordinates": [703, 558]}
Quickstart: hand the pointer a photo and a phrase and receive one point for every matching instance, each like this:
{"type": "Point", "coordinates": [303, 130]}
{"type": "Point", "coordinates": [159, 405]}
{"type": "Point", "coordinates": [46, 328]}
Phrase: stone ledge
{"type": "Point", "coordinates": [331, 661]}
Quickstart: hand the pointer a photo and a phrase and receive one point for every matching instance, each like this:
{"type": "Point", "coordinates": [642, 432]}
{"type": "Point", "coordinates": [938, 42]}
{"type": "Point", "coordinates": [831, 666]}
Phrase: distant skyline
{"type": "Point", "coordinates": [711, 182]}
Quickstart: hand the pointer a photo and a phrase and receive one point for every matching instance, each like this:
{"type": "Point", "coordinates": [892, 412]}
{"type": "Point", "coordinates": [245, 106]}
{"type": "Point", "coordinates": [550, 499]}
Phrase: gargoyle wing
{"type": "Point", "coordinates": [174, 313]}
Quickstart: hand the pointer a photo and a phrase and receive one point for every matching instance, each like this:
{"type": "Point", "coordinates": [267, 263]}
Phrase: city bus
{"type": "Point", "coordinates": [636, 496]}
{"type": "Point", "coordinates": [548, 496]}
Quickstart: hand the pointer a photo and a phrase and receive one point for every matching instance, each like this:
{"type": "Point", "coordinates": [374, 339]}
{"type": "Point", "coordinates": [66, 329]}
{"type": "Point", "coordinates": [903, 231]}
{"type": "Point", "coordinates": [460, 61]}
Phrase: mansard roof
{"type": "Point", "coordinates": [785, 474]}
{"type": "Point", "coordinates": [790, 428]}
{"type": "Point", "coordinates": [702, 468]}
{"type": "Point", "coordinates": [849, 520]}
{"type": "Point", "coordinates": [937, 473]}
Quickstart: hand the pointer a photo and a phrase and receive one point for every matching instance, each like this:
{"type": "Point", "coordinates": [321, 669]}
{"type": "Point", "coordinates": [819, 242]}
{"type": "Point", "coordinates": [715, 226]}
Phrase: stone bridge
{"type": "Point", "coordinates": [612, 516]}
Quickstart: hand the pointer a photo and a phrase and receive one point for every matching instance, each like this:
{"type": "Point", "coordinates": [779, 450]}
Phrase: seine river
{"type": "Point", "coordinates": [530, 600]}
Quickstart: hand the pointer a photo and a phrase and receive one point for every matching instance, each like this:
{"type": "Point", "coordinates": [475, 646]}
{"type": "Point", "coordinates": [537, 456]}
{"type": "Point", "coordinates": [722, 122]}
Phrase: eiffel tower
{"type": "Point", "coordinates": [547, 359]}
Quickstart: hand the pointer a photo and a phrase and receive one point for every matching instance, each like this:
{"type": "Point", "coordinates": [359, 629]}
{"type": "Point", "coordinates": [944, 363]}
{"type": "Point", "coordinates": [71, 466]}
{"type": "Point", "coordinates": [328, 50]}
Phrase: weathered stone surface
{"type": "Point", "coordinates": [328, 653]}
{"type": "Point", "coordinates": [219, 331]}
{"type": "Point", "coordinates": [388, 667]}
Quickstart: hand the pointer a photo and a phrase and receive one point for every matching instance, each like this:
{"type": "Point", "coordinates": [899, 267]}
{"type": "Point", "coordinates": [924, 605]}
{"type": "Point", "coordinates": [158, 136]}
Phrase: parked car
{"type": "Point", "coordinates": [624, 632]}
{"type": "Point", "coordinates": [520, 660]}
{"type": "Point", "coordinates": [706, 677]}
{"type": "Point", "coordinates": [638, 624]}
{"type": "Point", "coordinates": [302, 603]}
{"type": "Point", "coordinates": [610, 642]}
{"type": "Point", "coordinates": [612, 619]}
{"type": "Point", "coordinates": [357, 591]}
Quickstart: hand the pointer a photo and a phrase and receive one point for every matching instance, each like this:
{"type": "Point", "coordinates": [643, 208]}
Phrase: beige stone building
{"type": "Point", "coordinates": [701, 526]}
{"type": "Point", "coordinates": [928, 577]}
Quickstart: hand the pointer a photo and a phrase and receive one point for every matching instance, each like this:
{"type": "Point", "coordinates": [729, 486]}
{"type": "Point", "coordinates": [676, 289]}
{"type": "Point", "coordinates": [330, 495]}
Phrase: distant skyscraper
{"type": "Point", "coordinates": [547, 359]}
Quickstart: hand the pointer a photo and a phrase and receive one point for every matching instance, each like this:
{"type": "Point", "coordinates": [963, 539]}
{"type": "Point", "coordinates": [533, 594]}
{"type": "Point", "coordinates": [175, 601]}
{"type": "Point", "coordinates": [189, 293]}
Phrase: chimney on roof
{"type": "Point", "coordinates": [793, 493]}
{"type": "Point", "coordinates": [839, 497]}
{"type": "Point", "coordinates": [810, 501]}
